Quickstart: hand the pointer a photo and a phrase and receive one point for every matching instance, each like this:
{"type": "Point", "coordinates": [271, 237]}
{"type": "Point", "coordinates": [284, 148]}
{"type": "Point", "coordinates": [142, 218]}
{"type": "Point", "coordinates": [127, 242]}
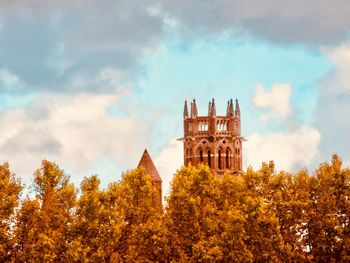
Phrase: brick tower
{"type": "Point", "coordinates": [147, 163]}
{"type": "Point", "coordinates": [213, 140]}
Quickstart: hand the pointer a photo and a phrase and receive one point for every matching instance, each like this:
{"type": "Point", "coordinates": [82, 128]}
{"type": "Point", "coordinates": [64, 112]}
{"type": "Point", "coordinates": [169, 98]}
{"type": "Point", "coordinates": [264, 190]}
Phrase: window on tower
{"type": "Point", "coordinates": [203, 126]}
{"type": "Point", "coordinates": [227, 159]}
{"type": "Point", "coordinates": [221, 126]}
{"type": "Point", "coordinates": [209, 160]}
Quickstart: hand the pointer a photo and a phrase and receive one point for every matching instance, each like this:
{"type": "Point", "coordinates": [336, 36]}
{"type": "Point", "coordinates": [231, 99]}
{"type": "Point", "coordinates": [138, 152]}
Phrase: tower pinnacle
{"type": "Point", "coordinates": [185, 110]}
{"type": "Point", "coordinates": [237, 110]}
{"type": "Point", "coordinates": [194, 112]}
{"type": "Point", "coordinates": [213, 108]}
{"type": "Point", "coordinates": [229, 112]}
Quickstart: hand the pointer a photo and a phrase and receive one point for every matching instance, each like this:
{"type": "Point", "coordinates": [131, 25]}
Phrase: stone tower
{"type": "Point", "coordinates": [148, 164]}
{"type": "Point", "coordinates": [213, 140]}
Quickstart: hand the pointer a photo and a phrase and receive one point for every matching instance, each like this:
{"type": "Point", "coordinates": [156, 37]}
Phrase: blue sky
{"type": "Point", "coordinates": [91, 86]}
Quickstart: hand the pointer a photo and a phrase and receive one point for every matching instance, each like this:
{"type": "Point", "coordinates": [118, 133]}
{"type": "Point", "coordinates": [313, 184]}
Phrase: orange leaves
{"type": "Point", "coordinates": [256, 216]}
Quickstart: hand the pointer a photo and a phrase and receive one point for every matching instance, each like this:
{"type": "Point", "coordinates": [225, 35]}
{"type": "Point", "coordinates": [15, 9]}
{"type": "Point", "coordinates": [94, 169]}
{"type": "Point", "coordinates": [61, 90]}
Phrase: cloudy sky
{"type": "Point", "coordinates": [90, 84]}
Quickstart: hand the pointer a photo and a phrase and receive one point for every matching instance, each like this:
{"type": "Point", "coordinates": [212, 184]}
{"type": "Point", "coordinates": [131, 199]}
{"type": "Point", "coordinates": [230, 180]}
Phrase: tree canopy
{"type": "Point", "coordinates": [253, 216]}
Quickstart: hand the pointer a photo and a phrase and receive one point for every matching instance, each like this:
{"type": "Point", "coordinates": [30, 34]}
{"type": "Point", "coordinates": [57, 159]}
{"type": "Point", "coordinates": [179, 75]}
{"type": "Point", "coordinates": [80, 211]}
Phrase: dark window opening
{"type": "Point", "coordinates": [201, 156]}
{"type": "Point", "coordinates": [219, 160]}
{"type": "Point", "coordinates": [227, 159]}
{"type": "Point", "coordinates": [209, 160]}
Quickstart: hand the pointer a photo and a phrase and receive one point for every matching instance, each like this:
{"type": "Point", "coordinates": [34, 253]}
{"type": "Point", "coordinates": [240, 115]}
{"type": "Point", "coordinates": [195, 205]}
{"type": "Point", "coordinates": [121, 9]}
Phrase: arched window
{"type": "Point", "coordinates": [201, 156]}
{"type": "Point", "coordinates": [227, 159]}
{"type": "Point", "coordinates": [219, 160]}
{"type": "Point", "coordinates": [209, 160]}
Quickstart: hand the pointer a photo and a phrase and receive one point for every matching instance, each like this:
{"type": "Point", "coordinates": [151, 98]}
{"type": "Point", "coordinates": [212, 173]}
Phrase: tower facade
{"type": "Point", "coordinates": [213, 139]}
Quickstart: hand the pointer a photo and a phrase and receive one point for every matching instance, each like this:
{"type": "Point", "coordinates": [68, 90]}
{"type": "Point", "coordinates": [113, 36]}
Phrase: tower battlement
{"type": "Point", "coordinates": [213, 139]}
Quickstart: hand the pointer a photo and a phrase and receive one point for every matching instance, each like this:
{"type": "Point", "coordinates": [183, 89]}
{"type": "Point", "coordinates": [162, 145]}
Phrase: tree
{"type": "Point", "coordinates": [289, 195]}
{"type": "Point", "coordinates": [262, 227]}
{"type": "Point", "coordinates": [328, 222]}
{"type": "Point", "coordinates": [43, 226]}
{"type": "Point", "coordinates": [97, 223]}
{"type": "Point", "coordinates": [192, 215]}
{"type": "Point", "coordinates": [142, 236]}
{"type": "Point", "coordinates": [10, 190]}
{"type": "Point", "coordinates": [233, 238]}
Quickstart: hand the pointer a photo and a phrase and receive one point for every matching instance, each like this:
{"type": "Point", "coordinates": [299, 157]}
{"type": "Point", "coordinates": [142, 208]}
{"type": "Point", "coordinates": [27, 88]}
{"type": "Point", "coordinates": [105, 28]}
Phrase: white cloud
{"type": "Point", "coordinates": [74, 131]}
{"type": "Point", "coordinates": [168, 161]}
{"type": "Point", "coordinates": [288, 151]}
{"type": "Point", "coordinates": [340, 57]}
{"type": "Point", "coordinates": [276, 101]}
{"type": "Point", "coordinates": [333, 105]}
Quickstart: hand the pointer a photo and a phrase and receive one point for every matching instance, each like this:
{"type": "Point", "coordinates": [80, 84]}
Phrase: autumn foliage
{"type": "Point", "coordinates": [256, 216]}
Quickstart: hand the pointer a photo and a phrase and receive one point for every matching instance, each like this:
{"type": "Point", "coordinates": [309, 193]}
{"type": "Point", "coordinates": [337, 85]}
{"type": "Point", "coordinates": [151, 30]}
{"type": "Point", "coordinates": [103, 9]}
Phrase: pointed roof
{"type": "Point", "coordinates": [147, 163]}
{"type": "Point", "coordinates": [230, 111]}
{"type": "Point", "coordinates": [185, 110]}
{"type": "Point", "coordinates": [237, 110]}
{"type": "Point", "coordinates": [194, 112]}
{"type": "Point", "coordinates": [213, 108]}
{"type": "Point", "coordinates": [209, 109]}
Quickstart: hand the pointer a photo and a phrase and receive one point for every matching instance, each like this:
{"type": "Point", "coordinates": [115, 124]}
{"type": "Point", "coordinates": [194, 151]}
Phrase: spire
{"type": "Point", "coordinates": [148, 164]}
{"type": "Point", "coordinates": [237, 111]}
{"type": "Point", "coordinates": [228, 108]}
{"type": "Point", "coordinates": [209, 109]}
{"type": "Point", "coordinates": [191, 109]}
{"type": "Point", "coordinates": [213, 108]}
{"type": "Point", "coordinates": [185, 110]}
{"type": "Point", "coordinates": [230, 112]}
{"type": "Point", "coordinates": [194, 112]}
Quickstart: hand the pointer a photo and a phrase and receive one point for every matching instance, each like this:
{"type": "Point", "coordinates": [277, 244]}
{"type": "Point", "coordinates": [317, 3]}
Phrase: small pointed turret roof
{"type": "Point", "coordinates": [237, 110]}
{"type": "Point", "coordinates": [147, 163]}
{"type": "Point", "coordinates": [185, 110]}
{"type": "Point", "coordinates": [230, 111]}
{"type": "Point", "coordinates": [209, 109]}
{"type": "Point", "coordinates": [194, 112]}
{"type": "Point", "coordinates": [213, 108]}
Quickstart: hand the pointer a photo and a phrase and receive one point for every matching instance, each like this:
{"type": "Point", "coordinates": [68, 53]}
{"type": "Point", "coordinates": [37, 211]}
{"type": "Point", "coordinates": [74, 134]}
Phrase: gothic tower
{"type": "Point", "coordinates": [213, 140]}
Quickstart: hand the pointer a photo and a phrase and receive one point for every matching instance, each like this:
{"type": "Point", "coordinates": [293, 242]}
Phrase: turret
{"type": "Point", "coordinates": [194, 112]}
{"type": "Point", "coordinates": [229, 112]}
{"type": "Point", "coordinates": [209, 109]}
{"type": "Point", "coordinates": [213, 108]}
{"type": "Point", "coordinates": [185, 110]}
{"type": "Point", "coordinates": [237, 110]}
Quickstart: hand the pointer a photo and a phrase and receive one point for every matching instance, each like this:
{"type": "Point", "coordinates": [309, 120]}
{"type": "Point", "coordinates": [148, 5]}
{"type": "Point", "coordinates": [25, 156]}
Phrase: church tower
{"type": "Point", "coordinates": [147, 163]}
{"type": "Point", "coordinates": [213, 140]}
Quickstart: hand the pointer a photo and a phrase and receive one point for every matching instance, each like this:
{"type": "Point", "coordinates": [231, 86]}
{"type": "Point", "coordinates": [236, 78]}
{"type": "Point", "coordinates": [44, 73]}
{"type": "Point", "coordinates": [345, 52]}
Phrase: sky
{"type": "Point", "coordinates": [91, 84]}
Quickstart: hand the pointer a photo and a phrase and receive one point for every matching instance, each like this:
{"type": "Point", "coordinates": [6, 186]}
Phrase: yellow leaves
{"type": "Point", "coordinates": [10, 189]}
{"type": "Point", "coordinates": [257, 216]}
